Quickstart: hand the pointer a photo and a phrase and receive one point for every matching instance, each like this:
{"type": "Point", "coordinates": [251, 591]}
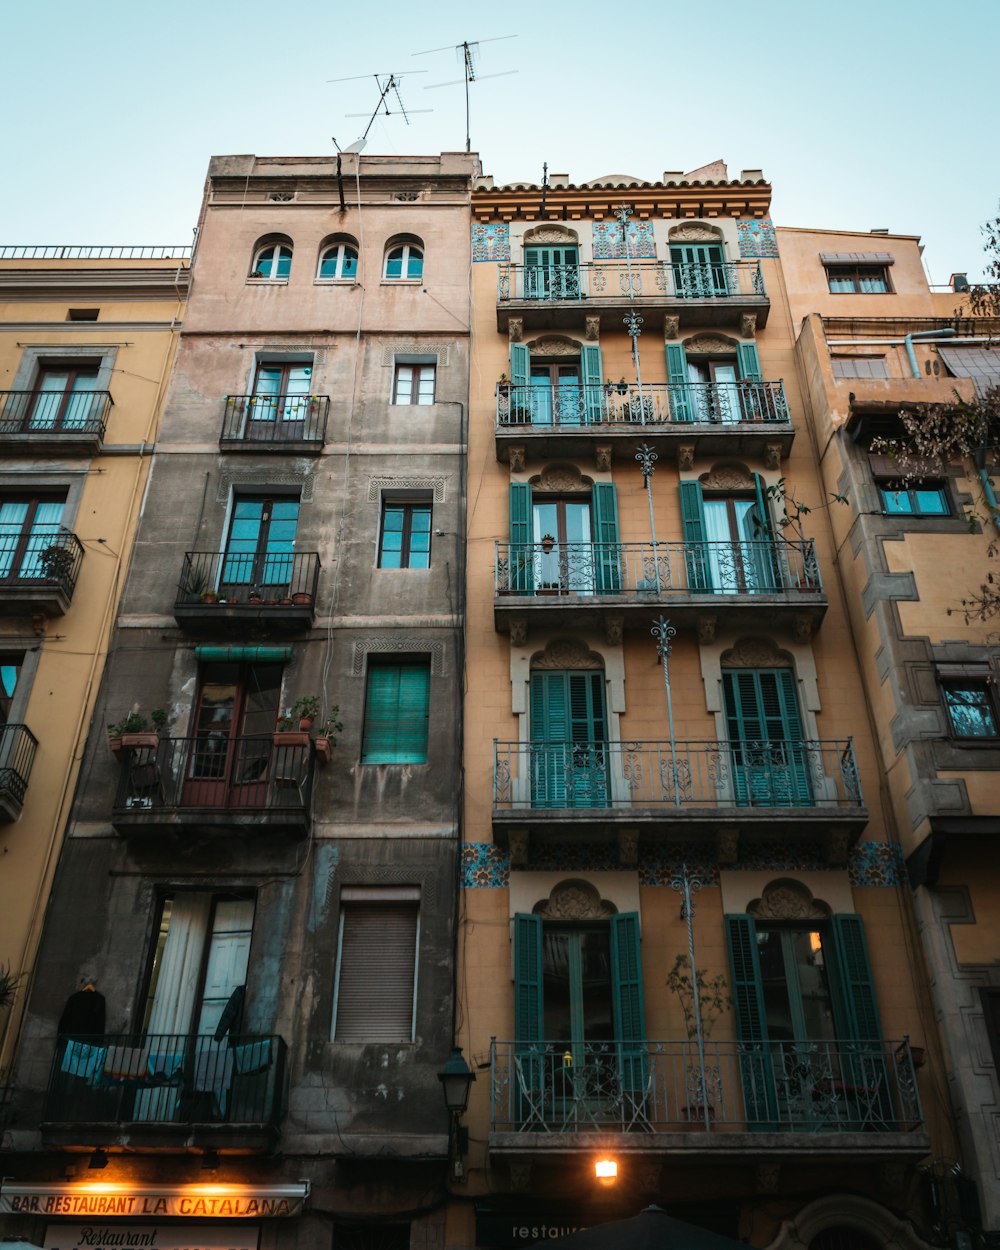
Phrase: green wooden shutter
{"type": "Point", "coordinates": [629, 1010]}
{"type": "Point", "coordinates": [587, 758]}
{"type": "Point", "coordinates": [857, 987]}
{"type": "Point", "coordinates": [756, 1070]}
{"type": "Point", "coordinates": [520, 365]}
{"type": "Point", "coordinates": [693, 531]}
{"type": "Point", "coordinates": [520, 572]}
{"type": "Point", "coordinates": [593, 382]}
{"type": "Point", "coordinates": [607, 552]}
{"type": "Point", "coordinates": [681, 407]}
{"type": "Point", "coordinates": [764, 576]}
{"type": "Point", "coordinates": [397, 698]}
{"type": "Point", "coordinates": [551, 754]}
{"type": "Point", "coordinates": [770, 765]}
{"type": "Point", "coordinates": [748, 362]}
{"type": "Point", "coordinates": [528, 1003]}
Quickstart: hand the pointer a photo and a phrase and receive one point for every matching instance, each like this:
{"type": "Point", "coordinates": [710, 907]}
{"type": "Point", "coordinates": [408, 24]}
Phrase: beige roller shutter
{"type": "Point", "coordinates": [375, 984]}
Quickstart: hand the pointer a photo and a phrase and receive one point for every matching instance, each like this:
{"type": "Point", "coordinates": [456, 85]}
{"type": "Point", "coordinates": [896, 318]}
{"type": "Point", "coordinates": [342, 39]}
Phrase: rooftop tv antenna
{"type": "Point", "coordinates": [391, 84]}
{"type": "Point", "coordinates": [468, 53]}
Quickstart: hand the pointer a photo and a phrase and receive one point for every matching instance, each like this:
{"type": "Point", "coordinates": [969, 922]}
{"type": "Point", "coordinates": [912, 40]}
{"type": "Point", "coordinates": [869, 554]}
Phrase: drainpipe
{"type": "Point", "coordinates": [923, 334]}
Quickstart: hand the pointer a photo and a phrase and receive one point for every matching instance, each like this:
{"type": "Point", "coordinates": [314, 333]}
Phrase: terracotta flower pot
{"type": "Point", "coordinates": [323, 750]}
{"type": "Point", "coordinates": [290, 738]}
{"type": "Point", "coordinates": [302, 598]}
{"type": "Point", "coordinates": [140, 741]}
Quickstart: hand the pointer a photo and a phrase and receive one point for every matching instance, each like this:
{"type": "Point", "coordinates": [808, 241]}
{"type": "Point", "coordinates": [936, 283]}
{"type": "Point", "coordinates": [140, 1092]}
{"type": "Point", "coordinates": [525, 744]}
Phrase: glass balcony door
{"type": "Point", "coordinates": [556, 395]}
{"type": "Point", "coordinates": [27, 528]}
{"type": "Point", "coordinates": [566, 563]}
{"type": "Point", "coordinates": [737, 546]}
{"type": "Point", "coordinates": [551, 273]}
{"type": "Point", "coordinates": [716, 395]}
{"type": "Point", "coordinates": [278, 408]}
{"type": "Point", "coordinates": [699, 270]}
{"type": "Point", "coordinates": [260, 550]}
{"type": "Point", "coordinates": [62, 399]}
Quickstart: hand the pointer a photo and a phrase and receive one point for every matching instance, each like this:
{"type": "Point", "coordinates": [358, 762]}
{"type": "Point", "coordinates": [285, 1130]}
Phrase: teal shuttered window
{"type": "Point", "coordinates": [608, 552]}
{"type": "Point", "coordinates": [681, 408]}
{"type": "Point", "coordinates": [569, 759]}
{"type": "Point", "coordinates": [521, 574]}
{"type": "Point", "coordinates": [769, 759]}
{"type": "Point", "coordinates": [397, 703]}
{"type": "Point", "coordinates": [593, 382]}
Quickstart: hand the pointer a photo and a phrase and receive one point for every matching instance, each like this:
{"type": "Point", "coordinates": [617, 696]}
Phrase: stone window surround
{"type": "Point", "coordinates": [33, 358]}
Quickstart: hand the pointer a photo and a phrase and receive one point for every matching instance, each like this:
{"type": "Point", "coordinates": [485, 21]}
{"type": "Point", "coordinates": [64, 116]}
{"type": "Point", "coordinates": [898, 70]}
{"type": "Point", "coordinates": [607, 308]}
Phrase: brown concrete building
{"type": "Point", "coordinates": [269, 922]}
{"type": "Point", "coordinates": [642, 450]}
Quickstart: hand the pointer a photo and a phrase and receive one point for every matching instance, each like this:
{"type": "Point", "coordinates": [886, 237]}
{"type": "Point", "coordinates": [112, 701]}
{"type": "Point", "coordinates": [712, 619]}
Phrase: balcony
{"type": "Point", "coordinates": [38, 572]}
{"type": "Point", "coordinates": [618, 586]}
{"type": "Point", "coordinates": [746, 419]}
{"type": "Point", "coordinates": [215, 784]}
{"type": "Point", "coordinates": [294, 424]}
{"type": "Point", "coordinates": [167, 1090]}
{"type": "Point", "coordinates": [559, 297]}
{"type": "Point", "coordinates": [227, 592]}
{"type": "Point", "coordinates": [817, 1102]}
{"type": "Point", "coordinates": [722, 794]}
{"type": "Point", "coordinates": [17, 756]}
{"type": "Point", "coordinates": [53, 422]}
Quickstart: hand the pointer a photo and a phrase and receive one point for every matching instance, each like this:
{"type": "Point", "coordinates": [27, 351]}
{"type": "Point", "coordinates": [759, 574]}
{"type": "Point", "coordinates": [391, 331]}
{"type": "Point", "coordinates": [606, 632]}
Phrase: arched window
{"type": "Point", "coordinates": [338, 261]}
{"type": "Point", "coordinates": [272, 261]}
{"type": "Point", "coordinates": [404, 261]}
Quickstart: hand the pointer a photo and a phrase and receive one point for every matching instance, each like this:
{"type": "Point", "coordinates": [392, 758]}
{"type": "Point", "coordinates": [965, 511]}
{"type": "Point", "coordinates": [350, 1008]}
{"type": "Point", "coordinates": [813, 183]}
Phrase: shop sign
{"type": "Point", "coordinates": [114, 1236]}
{"type": "Point", "coordinates": [103, 1201]}
{"type": "Point", "coordinates": [510, 1231]}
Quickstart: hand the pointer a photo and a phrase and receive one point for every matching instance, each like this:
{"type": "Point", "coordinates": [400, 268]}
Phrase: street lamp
{"type": "Point", "coordinates": [456, 1079]}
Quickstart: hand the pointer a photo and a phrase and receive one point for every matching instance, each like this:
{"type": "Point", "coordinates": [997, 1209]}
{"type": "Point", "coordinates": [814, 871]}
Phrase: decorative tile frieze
{"type": "Point", "coordinates": [757, 238]}
{"type": "Point", "coordinates": [490, 241]}
{"type": "Point", "coordinates": [398, 644]}
{"type": "Point", "coordinates": [608, 240]}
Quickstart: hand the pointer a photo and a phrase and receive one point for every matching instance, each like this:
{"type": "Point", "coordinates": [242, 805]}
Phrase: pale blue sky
{"type": "Point", "coordinates": [862, 113]}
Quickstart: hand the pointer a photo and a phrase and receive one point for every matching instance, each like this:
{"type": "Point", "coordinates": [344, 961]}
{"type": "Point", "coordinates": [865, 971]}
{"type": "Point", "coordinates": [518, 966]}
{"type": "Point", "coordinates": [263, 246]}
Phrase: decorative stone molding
{"type": "Point", "coordinates": [755, 653]}
{"type": "Point", "coordinates": [515, 329]}
{"type": "Point", "coordinates": [685, 456]}
{"type": "Point", "coordinates": [802, 627]}
{"type": "Point", "coordinates": [671, 327]}
{"type": "Point", "coordinates": [520, 1177]}
{"type": "Point", "coordinates": [550, 234]}
{"type": "Point", "coordinates": [767, 1177]}
{"type": "Point", "coordinates": [518, 629]}
{"type": "Point", "coordinates": [748, 326]}
{"type": "Point", "coordinates": [435, 485]}
{"type": "Point", "coordinates": [553, 345]}
{"type": "Point", "coordinates": [614, 630]}
{"type": "Point", "coordinates": [709, 345]}
{"type": "Point", "coordinates": [515, 455]}
{"type": "Point", "coordinates": [575, 900]}
{"type": "Point", "coordinates": [593, 329]}
{"type": "Point", "coordinates": [392, 348]}
{"type": "Point", "coordinates": [389, 644]}
{"type": "Point", "coordinates": [566, 653]}
{"type": "Point", "coordinates": [838, 848]}
{"type": "Point", "coordinates": [696, 232]}
{"type": "Point", "coordinates": [706, 626]}
{"type": "Point", "coordinates": [785, 899]}
{"type": "Point", "coordinates": [727, 845]}
{"type": "Point", "coordinates": [646, 1176]}
{"type": "Point", "coordinates": [561, 479]}
{"type": "Point", "coordinates": [517, 843]}
{"type": "Point", "coordinates": [263, 479]}
{"type": "Point", "coordinates": [772, 455]}
{"type": "Point", "coordinates": [602, 457]}
{"type": "Point", "coordinates": [840, 1210]}
{"type": "Point", "coordinates": [628, 847]}
{"type": "Point", "coordinates": [728, 477]}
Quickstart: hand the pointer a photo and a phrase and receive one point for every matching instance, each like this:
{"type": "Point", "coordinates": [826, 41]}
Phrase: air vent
{"type": "Point", "coordinates": [407, 196]}
{"type": "Point", "coordinates": [282, 197]}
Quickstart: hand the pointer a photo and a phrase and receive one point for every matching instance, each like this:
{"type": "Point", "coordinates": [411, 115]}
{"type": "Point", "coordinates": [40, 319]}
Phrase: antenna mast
{"type": "Point", "coordinates": [391, 84]}
{"type": "Point", "coordinates": [468, 51]}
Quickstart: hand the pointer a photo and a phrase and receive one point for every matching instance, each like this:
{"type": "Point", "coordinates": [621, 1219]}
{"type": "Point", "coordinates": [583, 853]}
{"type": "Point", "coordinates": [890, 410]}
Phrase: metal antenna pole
{"type": "Point", "coordinates": [646, 457]}
{"type": "Point", "coordinates": [469, 74]}
{"type": "Point", "coordinates": [663, 632]}
{"type": "Point", "coordinates": [685, 886]}
{"type": "Point", "coordinates": [632, 320]}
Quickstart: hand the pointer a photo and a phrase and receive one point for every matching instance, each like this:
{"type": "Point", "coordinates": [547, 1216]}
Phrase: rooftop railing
{"type": "Point", "coordinates": [95, 251]}
{"type": "Point", "coordinates": [667, 280]}
{"type": "Point", "coordinates": [660, 1086]}
{"type": "Point", "coordinates": [683, 404]}
{"type": "Point", "coordinates": [623, 776]}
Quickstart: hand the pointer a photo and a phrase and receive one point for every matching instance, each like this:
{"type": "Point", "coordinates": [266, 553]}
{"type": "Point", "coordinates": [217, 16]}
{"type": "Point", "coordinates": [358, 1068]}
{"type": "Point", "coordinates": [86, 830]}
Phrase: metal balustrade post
{"type": "Point", "coordinates": [663, 632]}
{"type": "Point", "coordinates": [646, 457]}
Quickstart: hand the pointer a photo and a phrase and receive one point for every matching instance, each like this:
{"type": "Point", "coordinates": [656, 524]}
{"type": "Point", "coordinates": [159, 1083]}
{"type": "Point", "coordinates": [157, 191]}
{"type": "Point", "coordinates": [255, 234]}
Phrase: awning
{"type": "Point", "coordinates": [243, 655]}
{"type": "Point", "coordinates": [982, 364]}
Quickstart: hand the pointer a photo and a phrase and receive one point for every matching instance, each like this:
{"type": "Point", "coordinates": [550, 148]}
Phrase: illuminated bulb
{"type": "Point", "coordinates": [815, 942]}
{"type": "Point", "coordinates": [606, 1171]}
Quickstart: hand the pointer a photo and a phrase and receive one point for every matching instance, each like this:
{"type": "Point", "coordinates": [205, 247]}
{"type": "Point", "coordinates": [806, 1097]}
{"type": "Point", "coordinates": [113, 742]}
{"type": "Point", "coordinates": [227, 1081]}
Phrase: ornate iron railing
{"type": "Point", "coordinates": [535, 776]}
{"type": "Point", "coordinates": [59, 412]}
{"type": "Point", "coordinates": [17, 757]}
{"type": "Point", "coordinates": [667, 280]}
{"type": "Point", "coordinates": [782, 1087]}
{"type": "Point", "coordinates": [573, 404]}
{"type": "Point", "coordinates": [40, 558]}
{"type": "Point", "coordinates": [214, 771]}
{"type": "Point", "coordinates": [245, 579]}
{"type": "Point", "coordinates": [275, 419]}
{"type": "Point", "coordinates": [167, 1078]}
{"type": "Point", "coordinates": [703, 568]}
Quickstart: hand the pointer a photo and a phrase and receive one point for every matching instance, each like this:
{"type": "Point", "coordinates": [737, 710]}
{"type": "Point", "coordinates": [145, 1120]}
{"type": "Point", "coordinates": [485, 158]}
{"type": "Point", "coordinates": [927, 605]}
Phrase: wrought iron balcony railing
{"type": "Point", "coordinates": [773, 773]}
{"type": "Point", "coordinates": [778, 1087]}
{"type": "Point", "coordinates": [214, 579]}
{"type": "Point", "coordinates": [684, 404]}
{"type": "Point", "coordinates": [38, 560]}
{"type": "Point", "coordinates": [275, 419]}
{"type": "Point", "coordinates": [666, 280]}
{"type": "Point", "coordinates": [17, 757]}
{"type": "Point", "coordinates": [66, 413]}
{"type": "Point", "coordinates": [214, 771]}
{"type": "Point", "coordinates": [167, 1078]}
{"type": "Point", "coordinates": [662, 568]}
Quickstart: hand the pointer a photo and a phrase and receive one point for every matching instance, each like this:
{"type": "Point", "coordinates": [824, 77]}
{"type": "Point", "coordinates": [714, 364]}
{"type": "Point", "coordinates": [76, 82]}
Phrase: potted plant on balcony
{"type": "Point", "coordinates": [9, 983]}
{"type": "Point", "coordinates": [548, 541]}
{"type": "Point", "coordinates": [254, 596]}
{"type": "Point", "coordinates": [56, 563]}
{"type": "Point", "coordinates": [198, 586]}
{"type": "Point", "coordinates": [326, 736]}
{"type": "Point", "coordinates": [130, 732]}
{"type": "Point", "coordinates": [713, 1000]}
{"type": "Point", "coordinates": [305, 710]}
{"type": "Point", "coordinates": [792, 512]}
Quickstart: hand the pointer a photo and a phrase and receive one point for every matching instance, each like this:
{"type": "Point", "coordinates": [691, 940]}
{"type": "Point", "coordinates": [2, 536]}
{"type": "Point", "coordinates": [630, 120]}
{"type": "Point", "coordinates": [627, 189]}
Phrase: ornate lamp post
{"type": "Point", "coordinates": [664, 632]}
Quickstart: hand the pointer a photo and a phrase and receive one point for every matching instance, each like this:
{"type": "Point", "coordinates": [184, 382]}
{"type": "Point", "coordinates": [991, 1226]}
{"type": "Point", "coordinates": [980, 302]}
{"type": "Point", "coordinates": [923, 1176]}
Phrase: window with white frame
{"type": "Point", "coordinates": [272, 261]}
{"type": "Point", "coordinates": [414, 383]}
{"type": "Point", "coordinates": [404, 262]}
{"type": "Point", "coordinates": [338, 262]}
{"type": "Point", "coordinates": [376, 984]}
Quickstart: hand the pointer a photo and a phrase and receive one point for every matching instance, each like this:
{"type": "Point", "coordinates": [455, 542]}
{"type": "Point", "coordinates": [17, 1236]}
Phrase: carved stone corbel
{"type": "Point", "coordinates": [685, 456]}
{"type": "Point", "coordinates": [518, 626]}
{"type": "Point", "coordinates": [515, 329]}
{"type": "Point", "coordinates": [748, 325]}
{"type": "Point", "coordinates": [727, 845]}
{"type": "Point", "coordinates": [772, 455]}
{"type": "Point", "coordinates": [614, 630]}
{"type": "Point", "coordinates": [628, 847]}
{"type": "Point", "coordinates": [768, 1175]}
{"type": "Point", "coordinates": [520, 1177]}
{"type": "Point", "coordinates": [647, 1176]}
{"type": "Point", "coordinates": [671, 327]}
{"type": "Point", "coordinates": [592, 329]}
{"type": "Point", "coordinates": [802, 626]}
{"type": "Point", "coordinates": [602, 457]}
{"type": "Point", "coordinates": [837, 848]}
{"type": "Point", "coordinates": [516, 458]}
{"type": "Point", "coordinates": [517, 843]}
{"type": "Point", "coordinates": [707, 623]}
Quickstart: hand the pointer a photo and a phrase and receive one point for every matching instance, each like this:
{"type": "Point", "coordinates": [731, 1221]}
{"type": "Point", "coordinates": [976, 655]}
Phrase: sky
{"type": "Point", "coordinates": [862, 113]}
